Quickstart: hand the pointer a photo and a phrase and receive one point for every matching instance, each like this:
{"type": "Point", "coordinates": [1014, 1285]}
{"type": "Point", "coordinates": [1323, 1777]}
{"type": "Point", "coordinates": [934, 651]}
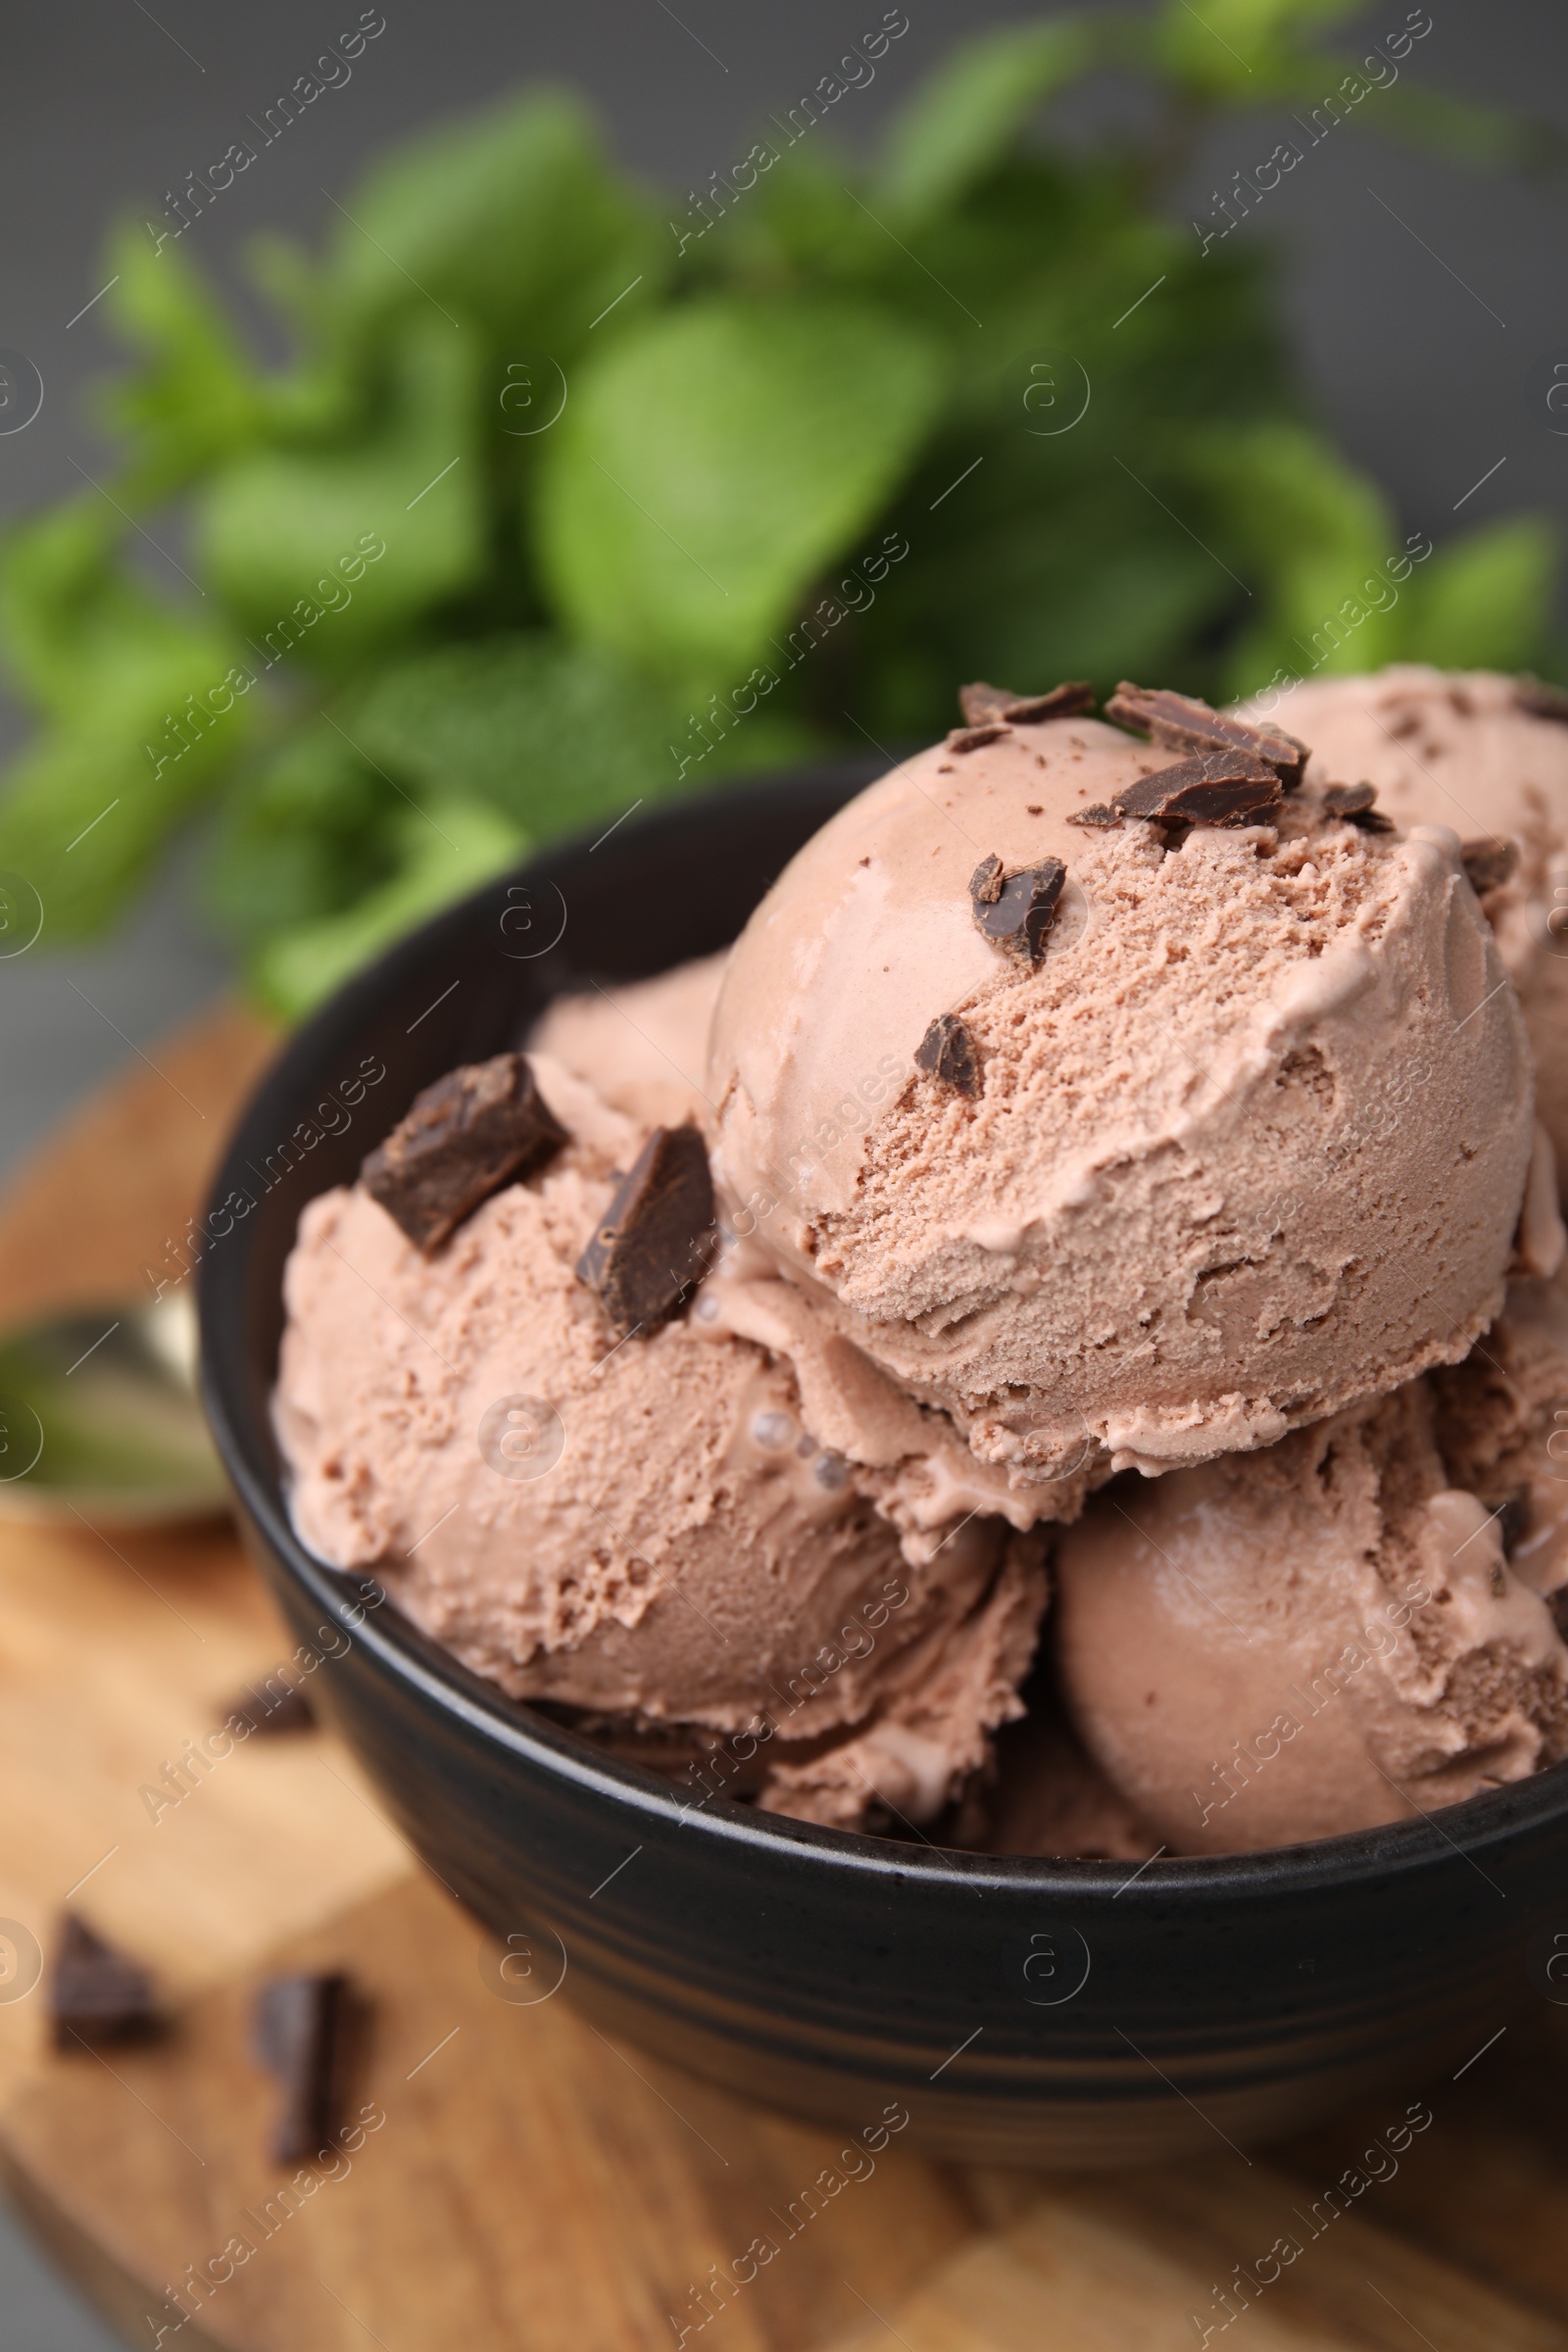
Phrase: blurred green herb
{"type": "Point", "coordinates": [562, 502]}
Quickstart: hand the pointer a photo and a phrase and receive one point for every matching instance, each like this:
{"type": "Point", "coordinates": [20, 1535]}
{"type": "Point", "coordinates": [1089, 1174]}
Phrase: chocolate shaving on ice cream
{"type": "Point", "coordinates": [1540, 699]}
{"type": "Point", "coordinates": [971, 739]}
{"type": "Point", "coordinates": [1225, 788]}
{"type": "Point", "coordinates": [97, 1994]}
{"type": "Point", "coordinates": [1489, 864]}
{"type": "Point", "coordinates": [982, 703]}
{"type": "Point", "coordinates": [985, 883]}
{"type": "Point", "coordinates": [947, 1051]}
{"type": "Point", "coordinates": [654, 1241]}
{"type": "Point", "coordinates": [1182, 723]}
{"type": "Point", "coordinates": [1354, 803]}
{"type": "Point", "coordinates": [1015, 911]}
{"type": "Point", "coordinates": [466, 1136]}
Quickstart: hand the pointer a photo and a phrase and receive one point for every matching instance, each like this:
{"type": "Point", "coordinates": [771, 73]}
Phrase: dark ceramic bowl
{"type": "Point", "coordinates": [1022, 2011]}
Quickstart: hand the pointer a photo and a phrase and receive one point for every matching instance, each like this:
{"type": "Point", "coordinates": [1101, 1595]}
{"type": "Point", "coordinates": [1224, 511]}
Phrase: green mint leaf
{"type": "Point", "coordinates": [1481, 602]}
{"type": "Point", "coordinates": [142, 704]}
{"type": "Point", "coordinates": [513, 220]}
{"type": "Point", "coordinates": [87, 808]}
{"type": "Point", "coordinates": [1309, 536]}
{"type": "Point", "coordinates": [1237, 52]}
{"type": "Point", "coordinates": [329, 551]}
{"type": "Point", "coordinates": [196, 397]}
{"type": "Point", "coordinates": [551, 734]}
{"type": "Point", "coordinates": [714, 461]}
{"type": "Point", "coordinates": [440, 857]}
{"type": "Point", "coordinates": [798, 222]}
{"type": "Point", "coordinates": [969, 115]}
{"type": "Point", "coordinates": [300, 836]}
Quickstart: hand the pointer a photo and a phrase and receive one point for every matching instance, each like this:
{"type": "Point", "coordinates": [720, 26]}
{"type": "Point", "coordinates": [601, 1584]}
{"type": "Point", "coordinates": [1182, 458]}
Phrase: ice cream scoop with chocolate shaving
{"type": "Point", "coordinates": [1182, 1215]}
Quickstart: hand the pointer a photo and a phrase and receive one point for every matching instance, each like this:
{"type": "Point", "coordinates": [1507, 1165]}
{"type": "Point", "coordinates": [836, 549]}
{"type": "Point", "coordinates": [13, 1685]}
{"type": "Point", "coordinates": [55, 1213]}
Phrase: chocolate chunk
{"type": "Point", "coordinates": [1354, 803]}
{"type": "Point", "coordinates": [1540, 699]}
{"type": "Point", "coordinates": [969, 739]}
{"type": "Point", "coordinates": [297, 2035]}
{"type": "Point", "coordinates": [981, 704]}
{"type": "Point", "coordinates": [1224, 788]}
{"type": "Point", "coordinates": [279, 1707]}
{"type": "Point", "coordinates": [1020, 914]}
{"type": "Point", "coordinates": [1069, 700]}
{"type": "Point", "coordinates": [656, 1237]}
{"type": "Point", "coordinates": [96, 1995]}
{"type": "Point", "coordinates": [466, 1136]}
{"type": "Point", "coordinates": [1183, 723]}
{"type": "Point", "coordinates": [1221, 790]}
{"type": "Point", "coordinates": [985, 883]}
{"type": "Point", "coordinates": [1514, 1519]}
{"type": "Point", "coordinates": [1227, 788]}
{"type": "Point", "coordinates": [1488, 862]}
{"type": "Point", "coordinates": [1097, 813]}
{"type": "Point", "coordinates": [947, 1051]}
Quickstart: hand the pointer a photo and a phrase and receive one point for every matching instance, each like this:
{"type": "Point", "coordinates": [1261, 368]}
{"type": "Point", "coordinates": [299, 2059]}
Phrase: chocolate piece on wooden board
{"type": "Point", "coordinates": [653, 1244]}
{"type": "Point", "coordinates": [299, 2030]}
{"type": "Point", "coordinates": [473, 1131]}
{"type": "Point", "coordinates": [1182, 723]}
{"type": "Point", "coordinates": [270, 1710]}
{"type": "Point", "coordinates": [97, 1994]}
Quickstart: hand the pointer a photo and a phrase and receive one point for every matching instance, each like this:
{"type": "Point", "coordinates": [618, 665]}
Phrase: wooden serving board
{"type": "Point", "coordinates": [521, 2181]}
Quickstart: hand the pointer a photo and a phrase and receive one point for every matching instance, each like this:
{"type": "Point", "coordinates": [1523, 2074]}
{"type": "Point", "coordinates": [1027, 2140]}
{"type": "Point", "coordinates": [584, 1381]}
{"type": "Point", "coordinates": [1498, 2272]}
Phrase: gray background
{"type": "Point", "coordinates": [1428, 345]}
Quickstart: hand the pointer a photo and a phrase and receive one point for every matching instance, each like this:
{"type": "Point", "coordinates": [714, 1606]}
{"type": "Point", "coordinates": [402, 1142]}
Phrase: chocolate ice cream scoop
{"type": "Point", "coordinates": [643, 1047]}
{"type": "Point", "coordinates": [1486, 755]}
{"type": "Point", "coordinates": [676, 1532]}
{"type": "Point", "coordinates": [1503, 1425]}
{"type": "Point", "coordinates": [1236, 1137]}
{"type": "Point", "coordinates": [1315, 1639]}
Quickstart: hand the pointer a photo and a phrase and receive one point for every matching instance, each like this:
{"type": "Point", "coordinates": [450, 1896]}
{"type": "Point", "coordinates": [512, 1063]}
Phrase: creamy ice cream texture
{"type": "Point", "coordinates": [1488, 757]}
{"type": "Point", "coordinates": [651, 1533]}
{"type": "Point", "coordinates": [1248, 1143]}
{"type": "Point", "coordinates": [1246, 1155]}
{"type": "Point", "coordinates": [1350, 1628]}
{"type": "Point", "coordinates": [637, 1046]}
{"type": "Point", "coordinates": [642, 1047]}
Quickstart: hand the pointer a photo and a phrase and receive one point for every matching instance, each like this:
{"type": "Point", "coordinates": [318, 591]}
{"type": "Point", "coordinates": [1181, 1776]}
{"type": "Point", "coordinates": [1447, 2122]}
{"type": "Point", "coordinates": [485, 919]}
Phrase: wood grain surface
{"type": "Point", "coordinates": [514, 2179]}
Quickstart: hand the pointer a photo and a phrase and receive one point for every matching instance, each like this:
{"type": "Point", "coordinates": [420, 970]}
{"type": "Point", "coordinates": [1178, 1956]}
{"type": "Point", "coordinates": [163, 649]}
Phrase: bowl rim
{"type": "Point", "coordinates": [1480, 1823]}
